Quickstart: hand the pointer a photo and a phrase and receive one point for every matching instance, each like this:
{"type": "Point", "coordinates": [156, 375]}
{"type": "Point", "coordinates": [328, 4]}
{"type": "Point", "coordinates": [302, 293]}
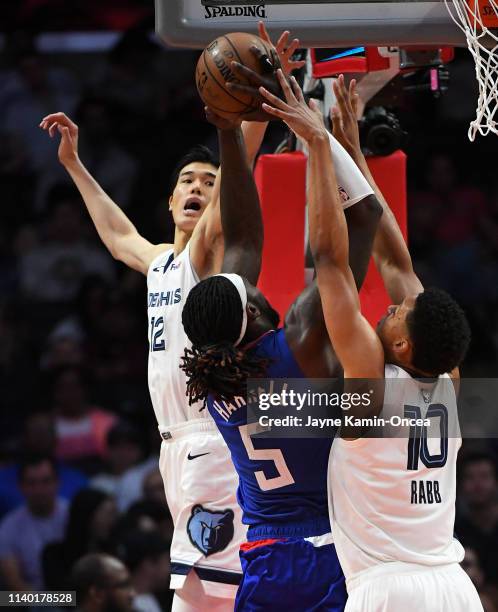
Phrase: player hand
{"type": "Point", "coordinates": [283, 50]}
{"type": "Point", "coordinates": [68, 147]}
{"type": "Point", "coordinates": [305, 121]}
{"type": "Point", "coordinates": [221, 122]}
{"type": "Point", "coordinates": [281, 57]}
{"type": "Point", "coordinates": [253, 81]}
{"type": "Point", "coordinates": [343, 116]}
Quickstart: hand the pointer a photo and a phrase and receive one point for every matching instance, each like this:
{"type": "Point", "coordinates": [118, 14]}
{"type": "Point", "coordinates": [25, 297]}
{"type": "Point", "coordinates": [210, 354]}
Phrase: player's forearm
{"type": "Point", "coordinates": [390, 245]}
{"type": "Point", "coordinates": [109, 220]}
{"type": "Point", "coordinates": [241, 217]}
{"type": "Point", "coordinates": [327, 224]}
{"type": "Point", "coordinates": [390, 251]}
{"type": "Point", "coordinates": [254, 133]}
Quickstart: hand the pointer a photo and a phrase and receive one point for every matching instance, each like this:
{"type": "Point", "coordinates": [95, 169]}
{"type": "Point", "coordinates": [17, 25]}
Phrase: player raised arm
{"type": "Point", "coordinates": [391, 253]}
{"type": "Point", "coordinates": [206, 247]}
{"type": "Point", "coordinates": [241, 217]}
{"type": "Point", "coordinates": [116, 231]}
{"type": "Point", "coordinates": [355, 342]}
{"type": "Point", "coordinates": [207, 237]}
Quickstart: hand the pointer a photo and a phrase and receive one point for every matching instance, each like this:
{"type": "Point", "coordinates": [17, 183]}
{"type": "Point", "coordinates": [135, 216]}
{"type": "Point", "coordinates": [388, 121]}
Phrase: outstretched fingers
{"type": "Point", "coordinates": [284, 84]}
{"type": "Point", "coordinates": [342, 96]}
{"type": "Point", "coordinates": [289, 52]}
{"type": "Point", "coordinates": [274, 100]}
{"type": "Point", "coordinates": [282, 42]}
{"type": "Point", "coordinates": [276, 112]}
{"type": "Point", "coordinates": [339, 94]}
{"type": "Point", "coordinates": [284, 50]}
{"type": "Point", "coordinates": [354, 98]}
{"type": "Point", "coordinates": [345, 96]}
{"type": "Point", "coordinates": [348, 93]}
{"type": "Point", "coordinates": [263, 32]}
{"type": "Point", "coordinates": [315, 107]}
{"type": "Point", "coordinates": [298, 92]}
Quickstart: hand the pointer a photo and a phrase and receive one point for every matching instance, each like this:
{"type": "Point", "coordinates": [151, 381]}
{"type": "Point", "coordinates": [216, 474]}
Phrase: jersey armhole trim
{"type": "Point", "coordinates": [192, 269]}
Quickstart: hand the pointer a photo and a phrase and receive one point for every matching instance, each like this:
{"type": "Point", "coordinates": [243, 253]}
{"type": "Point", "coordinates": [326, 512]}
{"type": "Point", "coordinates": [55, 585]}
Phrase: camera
{"type": "Point", "coordinates": [381, 132]}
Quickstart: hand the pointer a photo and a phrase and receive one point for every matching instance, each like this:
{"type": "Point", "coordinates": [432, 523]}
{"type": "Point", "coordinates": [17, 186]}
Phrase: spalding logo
{"type": "Point", "coordinates": [214, 12]}
{"type": "Point", "coordinates": [210, 531]}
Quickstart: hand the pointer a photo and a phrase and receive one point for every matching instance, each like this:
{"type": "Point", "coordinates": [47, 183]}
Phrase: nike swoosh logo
{"type": "Point", "coordinates": [190, 457]}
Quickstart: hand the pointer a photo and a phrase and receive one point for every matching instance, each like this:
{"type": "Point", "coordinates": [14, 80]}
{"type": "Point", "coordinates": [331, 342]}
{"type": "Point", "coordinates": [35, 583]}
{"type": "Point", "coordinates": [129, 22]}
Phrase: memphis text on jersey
{"type": "Point", "coordinates": [164, 298]}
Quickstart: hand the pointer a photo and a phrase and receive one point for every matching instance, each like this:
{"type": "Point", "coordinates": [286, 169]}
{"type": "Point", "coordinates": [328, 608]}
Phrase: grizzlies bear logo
{"type": "Point", "coordinates": [210, 531]}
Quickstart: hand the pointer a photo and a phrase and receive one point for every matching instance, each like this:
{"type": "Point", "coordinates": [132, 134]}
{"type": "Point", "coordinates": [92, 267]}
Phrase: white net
{"type": "Point", "coordinates": [482, 41]}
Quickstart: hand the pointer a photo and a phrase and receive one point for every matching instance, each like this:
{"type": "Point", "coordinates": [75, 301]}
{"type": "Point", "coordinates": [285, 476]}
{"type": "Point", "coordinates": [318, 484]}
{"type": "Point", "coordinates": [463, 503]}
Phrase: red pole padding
{"type": "Point", "coordinates": [281, 181]}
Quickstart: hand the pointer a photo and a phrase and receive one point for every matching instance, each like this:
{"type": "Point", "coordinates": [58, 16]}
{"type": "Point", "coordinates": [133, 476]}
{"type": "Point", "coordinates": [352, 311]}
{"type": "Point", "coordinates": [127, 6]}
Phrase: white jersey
{"type": "Point", "coordinates": [169, 282]}
{"type": "Point", "coordinates": [200, 481]}
{"type": "Point", "coordinates": [392, 499]}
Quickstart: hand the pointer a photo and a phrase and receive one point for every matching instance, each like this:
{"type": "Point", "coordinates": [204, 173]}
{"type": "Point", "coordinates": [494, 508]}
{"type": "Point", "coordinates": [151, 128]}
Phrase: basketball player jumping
{"type": "Point", "coordinates": [199, 478]}
{"type": "Point", "coordinates": [194, 463]}
{"type": "Point", "coordinates": [392, 499]}
{"type": "Point", "coordinates": [289, 561]}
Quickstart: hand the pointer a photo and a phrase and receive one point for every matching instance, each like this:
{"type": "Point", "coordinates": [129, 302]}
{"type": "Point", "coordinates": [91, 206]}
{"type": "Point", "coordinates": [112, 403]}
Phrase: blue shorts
{"type": "Point", "coordinates": [290, 575]}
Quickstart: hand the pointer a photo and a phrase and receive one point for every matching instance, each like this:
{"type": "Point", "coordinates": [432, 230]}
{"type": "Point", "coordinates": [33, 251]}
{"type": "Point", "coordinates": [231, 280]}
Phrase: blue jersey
{"type": "Point", "coordinates": [282, 481]}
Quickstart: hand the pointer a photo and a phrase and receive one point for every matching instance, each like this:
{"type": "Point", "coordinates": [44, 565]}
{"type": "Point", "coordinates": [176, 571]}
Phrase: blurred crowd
{"type": "Point", "coordinates": [81, 498]}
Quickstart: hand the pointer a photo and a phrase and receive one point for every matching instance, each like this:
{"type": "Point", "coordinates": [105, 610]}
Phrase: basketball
{"type": "Point", "coordinates": [214, 71]}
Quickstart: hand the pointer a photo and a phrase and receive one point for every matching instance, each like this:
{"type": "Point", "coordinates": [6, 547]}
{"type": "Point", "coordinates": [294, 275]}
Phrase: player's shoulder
{"type": "Point", "coordinates": [268, 343]}
{"type": "Point", "coordinates": [394, 371]}
{"type": "Point", "coordinates": [274, 346]}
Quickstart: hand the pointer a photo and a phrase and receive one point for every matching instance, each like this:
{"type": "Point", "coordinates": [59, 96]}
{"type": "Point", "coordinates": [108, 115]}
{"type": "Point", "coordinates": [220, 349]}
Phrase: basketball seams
{"type": "Point", "coordinates": [206, 75]}
{"type": "Point", "coordinates": [234, 48]}
{"type": "Point", "coordinates": [220, 85]}
{"type": "Point", "coordinates": [226, 37]}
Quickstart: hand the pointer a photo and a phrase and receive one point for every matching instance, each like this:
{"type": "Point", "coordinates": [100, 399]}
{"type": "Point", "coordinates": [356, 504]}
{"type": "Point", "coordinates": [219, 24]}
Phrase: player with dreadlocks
{"type": "Point", "coordinates": [234, 333]}
{"type": "Point", "coordinates": [220, 367]}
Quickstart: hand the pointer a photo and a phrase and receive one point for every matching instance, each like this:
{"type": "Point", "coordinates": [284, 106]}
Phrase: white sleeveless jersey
{"type": "Point", "coordinates": [169, 282]}
{"type": "Point", "coordinates": [393, 498]}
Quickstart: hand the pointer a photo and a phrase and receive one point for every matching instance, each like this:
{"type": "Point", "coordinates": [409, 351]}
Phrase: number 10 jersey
{"type": "Point", "coordinates": [392, 498]}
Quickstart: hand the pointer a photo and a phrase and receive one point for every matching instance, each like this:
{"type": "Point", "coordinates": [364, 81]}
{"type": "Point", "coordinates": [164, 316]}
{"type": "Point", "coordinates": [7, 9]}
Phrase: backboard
{"type": "Point", "coordinates": [317, 23]}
